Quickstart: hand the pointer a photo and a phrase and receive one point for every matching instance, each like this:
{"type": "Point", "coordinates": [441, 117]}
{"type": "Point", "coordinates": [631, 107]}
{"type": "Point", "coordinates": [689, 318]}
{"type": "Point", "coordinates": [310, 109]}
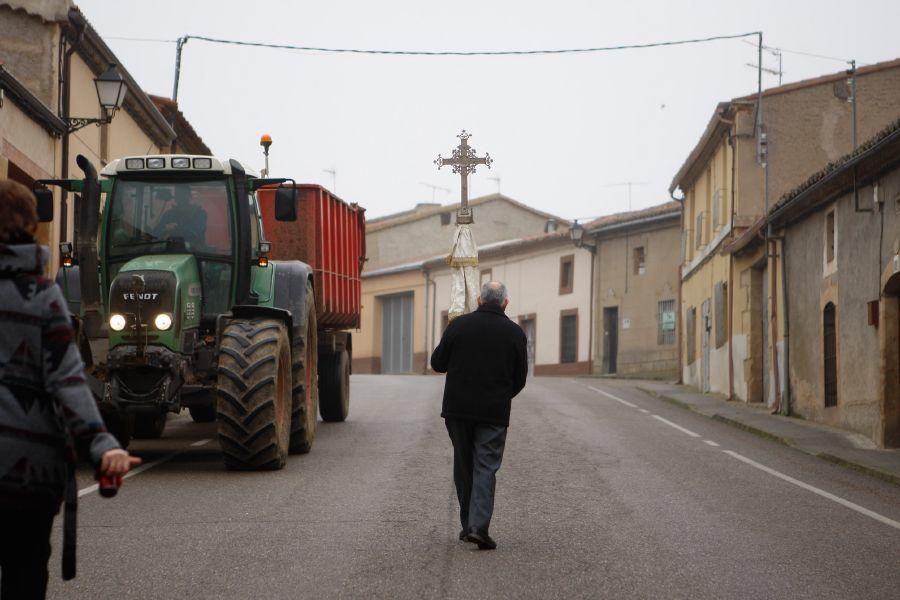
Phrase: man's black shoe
{"type": "Point", "coordinates": [484, 541]}
{"type": "Point", "coordinates": [462, 535]}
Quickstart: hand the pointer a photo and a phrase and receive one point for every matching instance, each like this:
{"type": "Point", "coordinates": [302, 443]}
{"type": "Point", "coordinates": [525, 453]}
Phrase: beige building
{"type": "Point", "coordinates": [394, 334]}
{"type": "Point", "coordinates": [549, 285]}
{"type": "Point", "coordinates": [49, 58]}
{"type": "Point", "coordinates": [636, 292]}
{"type": "Point", "coordinates": [413, 235]}
{"type": "Point", "coordinates": [732, 339]}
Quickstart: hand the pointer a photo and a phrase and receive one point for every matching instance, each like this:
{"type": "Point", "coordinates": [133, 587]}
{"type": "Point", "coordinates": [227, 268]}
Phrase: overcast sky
{"type": "Point", "coordinates": [562, 130]}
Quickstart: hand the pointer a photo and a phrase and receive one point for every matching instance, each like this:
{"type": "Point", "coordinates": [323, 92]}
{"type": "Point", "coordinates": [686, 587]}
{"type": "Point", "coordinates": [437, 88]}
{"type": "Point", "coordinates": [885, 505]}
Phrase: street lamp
{"type": "Point", "coordinates": [111, 89]}
{"type": "Point", "coordinates": [576, 234]}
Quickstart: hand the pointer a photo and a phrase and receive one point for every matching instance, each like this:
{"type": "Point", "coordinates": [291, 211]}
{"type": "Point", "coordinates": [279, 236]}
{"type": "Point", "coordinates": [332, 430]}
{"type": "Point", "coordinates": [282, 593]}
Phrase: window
{"type": "Point", "coordinates": [829, 237]}
{"type": "Point", "coordinates": [639, 261]}
{"type": "Point", "coordinates": [721, 296]}
{"type": "Point", "coordinates": [691, 326]}
{"type": "Point", "coordinates": [445, 218]}
{"type": "Point", "coordinates": [665, 328]}
{"type": "Point", "coordinates": [484, 276]}
{"type": "Point", "coordinates": [830, 354]}
{"type": "Point", "coordinates": [568, 336]}
{"type": "Point", "coordinates": [566, 274]}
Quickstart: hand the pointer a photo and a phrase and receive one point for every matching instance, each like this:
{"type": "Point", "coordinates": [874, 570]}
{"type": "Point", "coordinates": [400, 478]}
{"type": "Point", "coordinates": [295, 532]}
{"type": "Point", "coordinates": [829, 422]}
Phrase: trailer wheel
{"type": "Point", "coordinates": [334, 382]}
{"type": "Point", "coordinates": [149, 427]}
{"type": "Point", "coordinates": [305, 395]}
{"type": "Point", "coordinates": [254, 388]}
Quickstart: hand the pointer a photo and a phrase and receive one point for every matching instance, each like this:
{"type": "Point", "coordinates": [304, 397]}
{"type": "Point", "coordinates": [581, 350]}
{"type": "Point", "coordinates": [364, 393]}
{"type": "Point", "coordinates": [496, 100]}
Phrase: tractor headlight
{"type": "Point", "coordinates": [117, 322]}
{"type": "Point", "coordinates": [163, 321]}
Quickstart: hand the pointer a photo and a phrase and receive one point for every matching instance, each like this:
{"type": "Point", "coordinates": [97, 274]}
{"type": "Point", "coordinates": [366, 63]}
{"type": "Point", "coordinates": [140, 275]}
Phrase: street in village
{"type": "Point", "coordinates": [606, 491]}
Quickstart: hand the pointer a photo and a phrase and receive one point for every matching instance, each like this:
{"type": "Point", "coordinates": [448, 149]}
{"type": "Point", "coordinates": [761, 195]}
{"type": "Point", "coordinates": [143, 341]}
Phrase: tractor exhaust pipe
{"type": "Point", "coordinates": [87, 216]}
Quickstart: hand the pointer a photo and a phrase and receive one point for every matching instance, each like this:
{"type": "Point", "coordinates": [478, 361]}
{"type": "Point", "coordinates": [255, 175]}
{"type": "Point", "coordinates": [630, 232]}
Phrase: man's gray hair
{"type": "Point", "coordinates": [493, 292]}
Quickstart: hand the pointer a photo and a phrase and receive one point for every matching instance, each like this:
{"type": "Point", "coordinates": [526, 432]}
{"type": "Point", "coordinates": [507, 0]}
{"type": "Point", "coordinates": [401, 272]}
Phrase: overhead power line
{"type": "Point", "coordinates": [465, 52]}
{"type": "Point", "coordinates": [184, 40]}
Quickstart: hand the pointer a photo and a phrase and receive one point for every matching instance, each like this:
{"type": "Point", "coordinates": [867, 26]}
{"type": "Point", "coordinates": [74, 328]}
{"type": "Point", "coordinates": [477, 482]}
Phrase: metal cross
{"type": "Point", "coordinates": [464, 162]}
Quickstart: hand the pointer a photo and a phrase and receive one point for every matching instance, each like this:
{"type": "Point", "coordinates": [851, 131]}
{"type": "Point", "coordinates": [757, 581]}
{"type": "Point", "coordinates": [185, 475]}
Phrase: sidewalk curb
{"type": "Point", "coordinates": [876, 473]}
{"type": "Point", "coordinates": [754, 430]}
{"type": "Point", "coordinates": [866, 470]}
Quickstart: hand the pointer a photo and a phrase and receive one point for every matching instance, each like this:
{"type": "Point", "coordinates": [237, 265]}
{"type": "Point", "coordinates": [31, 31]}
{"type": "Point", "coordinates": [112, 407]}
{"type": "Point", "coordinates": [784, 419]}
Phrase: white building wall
{"type": "Point", "coordinates": [532, 279]}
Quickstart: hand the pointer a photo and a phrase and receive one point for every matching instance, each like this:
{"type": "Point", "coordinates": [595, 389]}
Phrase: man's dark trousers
{"type": "Point", "coordinates": [477, 454]}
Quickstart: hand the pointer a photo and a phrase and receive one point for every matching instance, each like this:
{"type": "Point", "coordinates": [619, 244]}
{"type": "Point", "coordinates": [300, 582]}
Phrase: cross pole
{"type": "Point", "coordinates": [464, 162]}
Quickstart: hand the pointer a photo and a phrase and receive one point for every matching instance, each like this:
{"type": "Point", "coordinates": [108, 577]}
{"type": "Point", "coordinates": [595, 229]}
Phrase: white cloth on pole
{"type": "Point", "coordinates": [464, 287]}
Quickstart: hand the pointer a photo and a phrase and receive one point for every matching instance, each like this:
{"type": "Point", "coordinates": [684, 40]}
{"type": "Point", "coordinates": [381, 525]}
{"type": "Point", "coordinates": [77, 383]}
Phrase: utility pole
{"type": "Point", "coordinates": [179, 44]}
{"type": "Point", "coordinates": [497, 179]}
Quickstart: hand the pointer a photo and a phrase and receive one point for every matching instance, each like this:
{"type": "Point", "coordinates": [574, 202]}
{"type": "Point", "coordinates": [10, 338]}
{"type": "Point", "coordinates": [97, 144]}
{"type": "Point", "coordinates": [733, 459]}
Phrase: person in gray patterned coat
{"type": "Point", "coordinates": [44, 402]}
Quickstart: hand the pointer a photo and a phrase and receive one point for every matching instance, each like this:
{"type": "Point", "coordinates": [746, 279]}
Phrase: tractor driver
{"type": "Point", "coordinates": [183, 220]}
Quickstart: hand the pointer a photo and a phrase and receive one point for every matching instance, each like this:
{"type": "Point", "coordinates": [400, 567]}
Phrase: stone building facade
{"type": "Point", "coordinates": [635, 307]}
{"type": "Point", "coordinates": [731, 343]}
{"type": "Point", "coordinates": [839, 256]}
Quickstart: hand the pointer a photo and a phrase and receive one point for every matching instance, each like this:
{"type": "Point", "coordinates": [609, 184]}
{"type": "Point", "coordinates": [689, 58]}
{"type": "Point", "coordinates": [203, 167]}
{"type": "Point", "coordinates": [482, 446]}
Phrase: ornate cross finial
{"type": "Point", "coordinates": [464, 161]}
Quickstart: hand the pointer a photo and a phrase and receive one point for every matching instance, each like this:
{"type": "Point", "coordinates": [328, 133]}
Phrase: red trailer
{"type": "Point", "coordinates": [330, 236]}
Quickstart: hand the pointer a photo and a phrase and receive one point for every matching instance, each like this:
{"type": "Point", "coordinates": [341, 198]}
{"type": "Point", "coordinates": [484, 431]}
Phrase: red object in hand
{"type": "Point", "coordinates": [109, 486]}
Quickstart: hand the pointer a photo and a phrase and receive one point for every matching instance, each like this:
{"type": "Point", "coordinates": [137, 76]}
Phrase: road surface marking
{"type": "Point", "coordinates": [201, 442]}
{"type": "Point", "coordinates": [644, 410]}
{"type": "Point", "coordinates": [851, 505]}
{"type": "Point", "coordinates": [617, 399]}
{"type": "Point", "coordinates": [711, 443]}
{"type": "Point", "coordinates": [676, 426]}
{"type": "Point", "coordinates": [136, 471]}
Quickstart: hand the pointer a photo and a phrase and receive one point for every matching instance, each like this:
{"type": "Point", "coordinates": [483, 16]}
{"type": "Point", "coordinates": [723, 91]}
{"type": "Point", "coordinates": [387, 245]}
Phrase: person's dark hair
{"type": "Point", "coordinates": [493, 293]}
{"type": "Point", "coordinates": [18, 215]}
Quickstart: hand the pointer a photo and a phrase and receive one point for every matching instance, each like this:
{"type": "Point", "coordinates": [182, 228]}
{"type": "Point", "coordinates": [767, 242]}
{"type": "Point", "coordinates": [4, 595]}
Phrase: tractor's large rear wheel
{"type": "Point", "coordinates": [305, 396]}
{"type": "Point", "coordinates": [254, 387]}
{"type": "Point", "coordinates": [334, 386]}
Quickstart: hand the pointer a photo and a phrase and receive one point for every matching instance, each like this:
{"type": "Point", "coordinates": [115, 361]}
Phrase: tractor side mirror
{"type": "Point", "coordinates": [286, 204]}
{"type": "Point", "coordinates": [44, 206]}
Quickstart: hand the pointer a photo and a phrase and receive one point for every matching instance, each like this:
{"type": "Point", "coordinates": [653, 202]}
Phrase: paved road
{"type": "Point", "coordinates": [605, 493]}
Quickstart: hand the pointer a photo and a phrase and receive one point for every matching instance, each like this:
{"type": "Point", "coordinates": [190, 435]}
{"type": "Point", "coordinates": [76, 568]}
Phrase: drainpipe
{"type": "Point", "coordinates": [425, 329]}
{"type": "Point", "coordinates": [786, 409]}
{"type": "Point", "coordinates": [433, 304]}
{"type": "Point", "coordinates": [678, 324]}
{"type": "Point", "coordinates": [771, 245]}
{"type": "Point", "coordinates": [731, 273]}
{"type": "Point", "coordinates": [591, 309]}
{"type": "Point", "coordinates": [785, 406]}
{"type": "Point", "coordinates": [730, 326]}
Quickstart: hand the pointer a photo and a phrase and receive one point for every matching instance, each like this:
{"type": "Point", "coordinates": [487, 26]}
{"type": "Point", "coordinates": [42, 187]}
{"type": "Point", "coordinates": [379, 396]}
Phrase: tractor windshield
{"type": "Point", "coordinates": [158, 216]}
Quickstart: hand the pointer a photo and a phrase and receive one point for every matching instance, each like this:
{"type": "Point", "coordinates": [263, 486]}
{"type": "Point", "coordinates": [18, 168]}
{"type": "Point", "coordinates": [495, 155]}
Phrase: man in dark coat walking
{"type": "Point", "coordinates": [484, 356]}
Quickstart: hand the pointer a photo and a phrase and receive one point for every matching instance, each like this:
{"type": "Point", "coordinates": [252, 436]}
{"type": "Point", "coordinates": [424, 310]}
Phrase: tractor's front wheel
{"type": "Point", "coordinates": [305, 395]}
{"type": "Point", "coordinates": [254, 388]}
{"type": "Point", "coordinates": [149, 426]}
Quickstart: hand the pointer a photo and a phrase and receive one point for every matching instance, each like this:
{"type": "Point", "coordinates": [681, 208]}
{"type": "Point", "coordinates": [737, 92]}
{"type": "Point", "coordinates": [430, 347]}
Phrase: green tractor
{"type": "Point", "coordinates": [178, 306]}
